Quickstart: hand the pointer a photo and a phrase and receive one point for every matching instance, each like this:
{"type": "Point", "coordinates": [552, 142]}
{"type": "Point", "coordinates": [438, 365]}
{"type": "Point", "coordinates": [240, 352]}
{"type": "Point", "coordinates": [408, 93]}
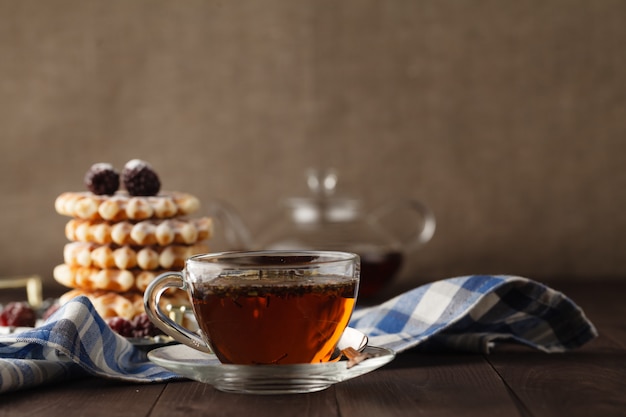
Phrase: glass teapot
{"type": "Point", "coordinates": [325, 221]}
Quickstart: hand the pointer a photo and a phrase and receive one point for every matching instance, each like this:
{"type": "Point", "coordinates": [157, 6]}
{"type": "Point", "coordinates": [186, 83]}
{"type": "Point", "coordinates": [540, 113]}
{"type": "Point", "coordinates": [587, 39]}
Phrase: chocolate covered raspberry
{"type": "Point", "coordinates": [102, 179]}
{"type": "Point", "coordinates": [140, 179]}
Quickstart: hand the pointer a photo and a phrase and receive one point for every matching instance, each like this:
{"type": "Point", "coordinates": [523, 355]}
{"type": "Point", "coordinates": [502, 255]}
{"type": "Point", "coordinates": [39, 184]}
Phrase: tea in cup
{"type": "Point", "coordinates": [263, 307]}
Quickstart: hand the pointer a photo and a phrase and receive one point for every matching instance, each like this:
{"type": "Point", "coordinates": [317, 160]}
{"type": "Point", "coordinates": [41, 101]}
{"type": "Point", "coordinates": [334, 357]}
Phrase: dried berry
{"type": "Point", "coordinates": [140, 179]}
{"type": "Point", "coordinates": [121, 326]}
{"type": "Point", "coordinates": [102, 179]}
{"type": "Point", "coordinates": [139, 326]}
{"type": "Point", "coordinates": [18, 314]}
{"type": "Point", "coordinates": [143, 327]}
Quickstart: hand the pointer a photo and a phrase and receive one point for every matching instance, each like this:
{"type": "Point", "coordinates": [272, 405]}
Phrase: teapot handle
{"type": "Point", "coordinates": [420, 235]}
{"type": "Point", "coordinates": [234, 229]}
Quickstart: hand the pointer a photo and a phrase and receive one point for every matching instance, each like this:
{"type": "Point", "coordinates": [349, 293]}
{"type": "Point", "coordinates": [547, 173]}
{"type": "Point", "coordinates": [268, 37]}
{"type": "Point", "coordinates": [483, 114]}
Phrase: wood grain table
{"type": "Point", "coordinates": [512, 381]}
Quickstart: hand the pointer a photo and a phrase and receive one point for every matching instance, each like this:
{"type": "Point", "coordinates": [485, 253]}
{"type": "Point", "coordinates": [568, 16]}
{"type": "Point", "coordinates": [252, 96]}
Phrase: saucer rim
{"type": "Point", "coordinates": [264, 379]}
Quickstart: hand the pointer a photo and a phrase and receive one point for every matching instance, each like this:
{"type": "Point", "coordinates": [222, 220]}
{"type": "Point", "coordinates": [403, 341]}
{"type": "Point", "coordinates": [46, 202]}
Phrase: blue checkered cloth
{"type": "Point", "coordinates": [464, 314]}
{"type": "Point", "coordinates": [473, 313]}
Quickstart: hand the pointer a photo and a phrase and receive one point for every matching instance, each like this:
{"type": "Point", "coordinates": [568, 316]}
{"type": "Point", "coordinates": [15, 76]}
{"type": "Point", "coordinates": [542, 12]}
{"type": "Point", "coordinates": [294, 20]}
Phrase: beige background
{"type": "Point", "coordinates": [507, 118]}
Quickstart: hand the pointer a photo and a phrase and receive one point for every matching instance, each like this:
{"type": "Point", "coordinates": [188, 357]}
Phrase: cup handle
{"type": "Point", "coordinates": [151, 298]}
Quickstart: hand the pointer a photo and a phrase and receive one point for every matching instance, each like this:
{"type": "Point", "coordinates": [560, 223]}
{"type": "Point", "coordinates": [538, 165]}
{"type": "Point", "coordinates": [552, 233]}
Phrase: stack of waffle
{"type": "Point", "coordinates": [121, 241]}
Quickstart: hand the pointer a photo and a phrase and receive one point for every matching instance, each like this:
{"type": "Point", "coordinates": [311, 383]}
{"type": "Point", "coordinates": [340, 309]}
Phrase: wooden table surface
{"type": "Point", "coordinates": [512, 381]}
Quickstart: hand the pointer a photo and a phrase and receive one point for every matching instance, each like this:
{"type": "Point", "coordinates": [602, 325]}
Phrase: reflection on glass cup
{"type": "Point", "coordinates": [263, 307]}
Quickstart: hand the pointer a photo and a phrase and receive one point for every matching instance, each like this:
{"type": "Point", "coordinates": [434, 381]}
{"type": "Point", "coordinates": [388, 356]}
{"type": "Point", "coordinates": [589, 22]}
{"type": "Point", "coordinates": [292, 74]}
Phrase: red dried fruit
{"type": "Point", "coordinates": [18, 314]}
{"type": "Point", "coordinates": [143, 327]}
{"type": "Point", "coordinates": [121, 326]}
{"type": "Point", "coordinates": [139, 326]}
{"type": "Point", "coordinates": [140, 179]}
{"type": "Point", "coordinates": [102, 178]}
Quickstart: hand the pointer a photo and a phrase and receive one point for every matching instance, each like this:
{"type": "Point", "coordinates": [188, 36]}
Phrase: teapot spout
{"type": "Point", "coordinates": [411, 238]}
{"type": "Point", "coordinates": [230, 225]}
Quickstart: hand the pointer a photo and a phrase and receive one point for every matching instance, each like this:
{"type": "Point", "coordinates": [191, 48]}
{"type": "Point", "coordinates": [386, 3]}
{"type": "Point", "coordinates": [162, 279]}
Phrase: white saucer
{"type": "Point", "coordinates": [264, 379]}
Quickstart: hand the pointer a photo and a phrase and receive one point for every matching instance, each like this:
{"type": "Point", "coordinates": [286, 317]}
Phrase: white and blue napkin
{"type": "Point", "coordinates": [473, 313]}
{"type": "Point", "coordinates": [464, 314]}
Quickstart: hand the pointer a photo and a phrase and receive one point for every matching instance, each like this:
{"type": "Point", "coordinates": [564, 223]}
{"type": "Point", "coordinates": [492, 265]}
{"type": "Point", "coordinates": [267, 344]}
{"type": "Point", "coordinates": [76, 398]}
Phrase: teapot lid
{"type": "Point", "coordinates": [323, 206]}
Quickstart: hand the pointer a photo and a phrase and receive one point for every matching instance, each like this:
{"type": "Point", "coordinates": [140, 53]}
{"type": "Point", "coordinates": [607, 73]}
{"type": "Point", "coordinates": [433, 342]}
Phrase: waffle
{"type": "Point", "coordinates": [120, 240]}
{"type": "Point", "coordinates": [127, 305]}
{"type": "Point", "coordinates": [143, 233]}
{"type": "Point", "coordinates": [109, 279]}
{"type": "Point", "coordinates": [84, 254]}
{"type": "Point", "coordinates": [122, 206]}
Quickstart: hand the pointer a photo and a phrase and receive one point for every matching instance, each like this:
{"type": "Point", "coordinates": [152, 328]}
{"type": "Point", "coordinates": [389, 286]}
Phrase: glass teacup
{"type": "Point", "coordinates": [263, 307]}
